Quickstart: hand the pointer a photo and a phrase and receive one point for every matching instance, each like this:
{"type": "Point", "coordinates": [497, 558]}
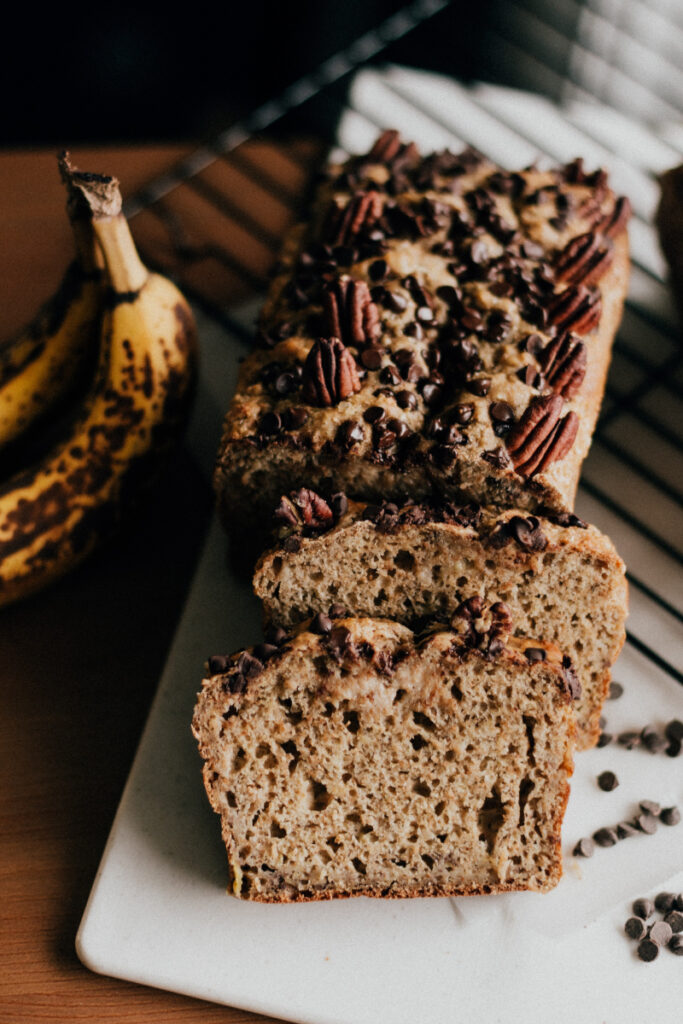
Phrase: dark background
{"type": "Point", "coordinates": [125, 73]}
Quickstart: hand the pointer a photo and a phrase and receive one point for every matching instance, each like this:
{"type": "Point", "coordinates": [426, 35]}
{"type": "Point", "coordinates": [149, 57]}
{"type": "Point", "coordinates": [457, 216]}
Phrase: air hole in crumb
{"type": "Point", "coordinates": [230, 797]}
{"type": "Point", "coordinates": [456, 691]}
{"type": "Point", "coordinates": [353, 816]}
{"type": "Point", "coordinates": [372, 574]}
{"type": "Point", "coordinates": [529, 723]}
{"type": "Point", "coordinates": [358, 865]}
{"type": "Point", "coordinates": [262, 750]}
{"type": "Point", "coordinates": [421, 788]}
{"type": "Point", "coordinates": [442, 837]}
{"type": "Point", "coordinates": [418, 742]}
{"type": "Point", "coordinates": [320, 798]}
{"type": "Point", "coordinates": [366, 829]}
{"type": "Point", "coordinates": [429, 861]}
{"type": "Point", "coordinates": [333, 843]}
{"type": "Point", "coordinates": [400, 694]}
{"type": "Point", "coordinates": [351, 721]}
{"type": "Point", "coordinates": [346, 777]}
{"type": "Point", "coordinates": [276, 565]}
{"type": "Point", "coordinates": [329, 709]}
{"type": "Point", "coordinates": [490, 819]}
{"type": "Point", "coordinates": [317, 576]}
{"type": "Point", "coordinates": [440, 807]}
{"type": "Point", "coordinates": [276, 831]}
{"type": "Point", "coordinates": [423, 721]}
{"type": "Point", "coordinates": [449, 755]}
{"type": "Point", "coordinates": [291, 748]}
{"type": "Point", "coordinates": [239, 760]}
{"type": "Point", "coordinates": [404, 560]}
{"type": "Point", "coordinates": [525, 787]}
{"type": "Point", "coordinates": [380, 598]}
{"type": "Point", "coordinates": [229, 713]}
{"type": "Point", "coordinates": [399, 863]}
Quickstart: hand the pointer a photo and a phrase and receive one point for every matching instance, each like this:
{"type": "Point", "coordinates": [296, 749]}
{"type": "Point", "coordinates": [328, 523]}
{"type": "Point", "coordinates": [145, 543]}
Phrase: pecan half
{"type": "Point", "coordinates": [388, 149]}
{"type": "Point", "coordinates": [615, 222]}
{"type": "Point", "coordinates": [304, 509]}
{"type": "Point", "coordinates": [330, 374]}
{"type": "Point", "coordinates": [344, 223]}
{"type": "Point", "coordinates": [349, 312]}
{"type": "Point", "coordinates": [541, 437]}
{"type": "Point", "coordinates": [577, 308]}
{"type": "Point", "coordinates": [584, 259]}
{"type": "Point", "coordinates": [564, 364]}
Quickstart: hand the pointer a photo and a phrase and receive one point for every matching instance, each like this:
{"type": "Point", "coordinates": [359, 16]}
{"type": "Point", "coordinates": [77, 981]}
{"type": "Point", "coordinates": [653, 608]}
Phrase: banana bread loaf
{"type": "Point", "coordinates": [359, 759]}
{"type": "Point", "coordinates": [439, 326]}
{"type": "Point", "coordinates": [562, 579]}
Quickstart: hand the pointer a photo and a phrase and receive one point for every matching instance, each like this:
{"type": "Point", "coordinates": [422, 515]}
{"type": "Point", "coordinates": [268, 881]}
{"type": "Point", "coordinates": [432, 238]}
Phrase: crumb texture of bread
{"type": "Point", "coordinates": [369, 762]}
{"type": "Point", "coordinates": [572, 592]}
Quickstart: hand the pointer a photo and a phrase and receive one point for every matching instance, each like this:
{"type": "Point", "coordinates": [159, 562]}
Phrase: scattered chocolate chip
{"type": "Point", "coordinates": [674, 748]}
{"type": "Point", "coordinates": [676, 944]}
{"type": "Point", "coordinates": [635, 928]}
{"type": "Point", "coordinates": [625, 830]}
{"type": "Point", "coordinates": [674, 730]}
{"type": "Point", "coordinates": [674, 919]}
{"type": "Point", "coordinates": [320, 623]}
{"type": "Point", "coordinates": [648, 950]}
{"type": "Point", "coordinates": [265, 651]}
{"type": "Point", "coordinates": [649, 807]}
{"type": "Point", "coordinates": [629, 739]}
{"type": "Point", "coordinates": [661, 933]}
{"type": "Point", "coordinates": [584, 848]}
{"type": "Point", "coordinates": [670, 816]}
{"type": "Point", "coordinates": [665, 901]}
{"type": "Point", "coordinates": [616, 690]}
{"type": "Point", "coordinates": [604, 739]}
{"type": "Point", "coordinates": [646, 823]}
{"type": "Point", "coordinates": [643, 908]}
{"type": "Point", "coordinates": [605, 837]}
{"type": "Point", "coordinates": [607, 781]}
{"type": "Point", "coordinates": [652, 740]}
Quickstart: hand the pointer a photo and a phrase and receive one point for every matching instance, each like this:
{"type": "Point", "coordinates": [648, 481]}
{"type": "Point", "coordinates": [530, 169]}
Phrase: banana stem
{"type": "Point", "coordinates": [127, 273]}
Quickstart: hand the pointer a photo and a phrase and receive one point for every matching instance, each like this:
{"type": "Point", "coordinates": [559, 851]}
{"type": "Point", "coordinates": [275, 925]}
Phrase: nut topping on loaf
{"type": "Point", "coordinates": [362, 760]}
{"type": "Point", "coordinates": [431, 309]}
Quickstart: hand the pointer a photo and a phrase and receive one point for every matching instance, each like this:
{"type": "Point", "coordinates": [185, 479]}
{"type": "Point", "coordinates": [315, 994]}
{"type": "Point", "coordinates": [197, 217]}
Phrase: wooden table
{"type": "Point", "coordinates": [79, 665]}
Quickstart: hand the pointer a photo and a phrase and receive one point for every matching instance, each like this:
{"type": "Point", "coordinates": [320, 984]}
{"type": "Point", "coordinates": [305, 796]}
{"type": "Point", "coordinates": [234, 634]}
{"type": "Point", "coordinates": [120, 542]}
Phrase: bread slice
{"type": "Point", "coordinates": [438, 326]}
{"type": "Point", "coordinates": [365, 760]}
{"type": "Point", "coordinates": [562, 579]}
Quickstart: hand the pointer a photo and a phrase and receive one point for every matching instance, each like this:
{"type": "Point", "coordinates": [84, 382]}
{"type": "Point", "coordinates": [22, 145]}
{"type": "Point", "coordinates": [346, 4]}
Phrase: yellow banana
{"type": "Point", "coordinates": [53, 514]}
{"type": "Point", "coordinates": [45, 362]}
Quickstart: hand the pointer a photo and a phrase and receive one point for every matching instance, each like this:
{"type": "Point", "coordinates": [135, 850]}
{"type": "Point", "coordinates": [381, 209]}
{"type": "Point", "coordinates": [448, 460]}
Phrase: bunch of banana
{"type": "Point", "coordinates": [53, 513]}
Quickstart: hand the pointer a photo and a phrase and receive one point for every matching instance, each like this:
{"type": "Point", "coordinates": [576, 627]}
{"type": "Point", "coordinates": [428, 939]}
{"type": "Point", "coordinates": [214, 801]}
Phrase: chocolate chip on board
{"type": "Point", "coordinates": [615, 691]}
{"type": "Point", "coordinates": [649, 807]}
{"type": "Point", "coordinates": [676, 944]}
{"type": "Point", "coordinates": [625, 829]}
{"type": "Point", "coordinates": [665, 901]}
{"type": "Point", "coordinates": [604, 739]}
{"type": "Point", "coordinates": [648, 950]}
{"type": "Point", "coordinates": [635, 928]}
{"type": "Point", "coordinates": [606, 837]}
{"type": "Point", "coordinates": [584, 848]}
{"type": "Point", "coordinates": [643, 908]}
{"type": "Point", "coordinates": [675, 921]}
{"type": "Point", "coordinates": [670, 816]}
{"type": "Point", "coordinates": [607, 781]}
{"type": "Point", "coordinates": [661, 933]}
{"type": "Point", "coordinates": [646, 823]}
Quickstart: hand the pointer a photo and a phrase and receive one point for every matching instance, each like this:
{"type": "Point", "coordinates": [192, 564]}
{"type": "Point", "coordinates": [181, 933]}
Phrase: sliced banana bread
{"type": "Point", "coordinates": [562, 578]}
{"type": "Point", "coordinates": [357, 758]}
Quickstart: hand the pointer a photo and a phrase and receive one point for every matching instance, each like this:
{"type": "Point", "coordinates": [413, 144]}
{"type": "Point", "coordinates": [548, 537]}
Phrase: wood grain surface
{"type": "Point", "coordinates": [80, 662]}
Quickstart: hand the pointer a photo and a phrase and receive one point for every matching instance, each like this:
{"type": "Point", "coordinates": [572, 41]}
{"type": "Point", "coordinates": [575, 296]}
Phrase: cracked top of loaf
{"type": "Point", "coordinates": [438, 325]}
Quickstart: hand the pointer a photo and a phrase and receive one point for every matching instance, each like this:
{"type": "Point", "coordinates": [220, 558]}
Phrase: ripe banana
{"type": "Point", "coordinates": [53, 514]}
{"type": "Point", "coordinates": [44, 363]}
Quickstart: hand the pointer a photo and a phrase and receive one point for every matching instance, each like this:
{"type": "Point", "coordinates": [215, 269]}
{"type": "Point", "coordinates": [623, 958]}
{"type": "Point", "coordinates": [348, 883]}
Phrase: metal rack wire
{"type": "Point", "coordinates": [216, 220]}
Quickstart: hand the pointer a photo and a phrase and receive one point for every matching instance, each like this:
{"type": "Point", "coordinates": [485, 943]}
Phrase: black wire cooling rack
{"type": "Point", "coordinates": [216, 220]}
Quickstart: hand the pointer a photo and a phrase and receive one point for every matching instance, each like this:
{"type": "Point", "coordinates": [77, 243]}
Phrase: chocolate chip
{"type": "Point", "coordinates": [652, 740]}
{"type": "Point", "coordinates": [629, 739]}
{"type": "Point", "coordinates": [604, 739]}
{"type": "Point", "coordinates": [270, 423]}
{"type": "Point", "coordinates": [398, 427]}
{"type": "Point", "coordinates": [337, 611]}
{"type": "Point", "coordinates": [480, 386]}
{"type": "Point", "coordinates": [431, 394]}
{"type": "Point", "coordinates": [414, 330]}
{"type": "Point", "coordinates": [321, 623]}
{"type": "Point", "coordinates": [607, 781]}
{"type": "Point", "coordinates": [378, 270]}
{"type": "Point", "coordinates": [584, 848]}
{"type": "Point", "coordinates": [616, 690]}
{"type": "Point", "coordinates": [248, 665]}
{"type": "Point", "coordinates": [646, 823]}
{"type": "Point", "coordinates": [292, 544]}
{"type": "Point", "coordinates": [533, 654]}
{"type": "Point", "coordinates": [349, 433]}
{"type": "Point", "coordinates": [678, 905]}
{"type": "Point", "coordinates": [676, 945]}
{"type": "Point", "coordinates": [390, 375]}
{"type": "Point", "coordinates": [406, 400]}
{"type": "Point", "coordinates": [649, 807]}
{"type": "Point", "coordinates": [371, 358]}
{"type": "Point", "coordinates": [643, 908]}
{"type": "Point", "coordinates": [533, 344]}
{"type": "Point", "coordinates": [648, 950]}
{"type": "Point", "coordinates": [665, 901]}
{"type": "Point", "coordinates": [394, 301]}
{"type": "Point", "coordinates": [661, 933]}
{"type": "Point", "coordinates": [501, 412]}
{"type": "Point", "coordinates": [265, 651]}
{"type": "Point", "coordinates": [218, 663]}
{"type": "Point", "coordinates": [670, 816]}
{"type": "Point", "coordinates": [236, 683]}
{"type": "Point", "coordinates": [375, 414]}
{"type": "Point", "coordinates": [297, 416]}
{"type": "Point", "coordinates": [339, 504]}
{"type": "Point", "coordinates": [635, 928]}
{"type": "Point", "coordinates": [625, 830]}
{"type": "Point", "coordinates": [674, 730]}
{"type": "Point", "coordinates": [605, 837]}
{"type": "Point", "coordinates": [462, 413]}
{"type": "Point", "coordinates": [674, 919]}
{"type": "Point", "coordinates": [674, 748]}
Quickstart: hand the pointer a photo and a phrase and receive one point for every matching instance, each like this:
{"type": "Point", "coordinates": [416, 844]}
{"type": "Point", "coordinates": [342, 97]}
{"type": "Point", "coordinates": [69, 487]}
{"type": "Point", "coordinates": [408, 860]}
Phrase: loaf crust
{"type": "Point", "coordinates": [367, 761]}
{"type": "Point", "coordinates": [448, 304]}
{"type": "Point", "coordinates": [562, 580]}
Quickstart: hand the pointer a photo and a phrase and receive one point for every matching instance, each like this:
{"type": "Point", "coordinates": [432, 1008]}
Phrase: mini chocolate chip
{"type": "Point", "coordinates": [480, 386]}
{"type": "Point", "coordinates": [297, 417]}
{"type": "Point", "coordinates": [652, 740]}
{"type": "Point", "coordinates": [649, 807]}
{"type": "Point", "coordinates": [607, 781]}
{"type": "Point", "coordinates": [375, 414]}
{"type": "Point", "coordinates": [390, 375]}
{"type": "Point", "coordinates": [616, 691]}
{"type": "Point", "coordinates": [674, 919]}
{"type": "Point", "coordinates": [431, 393]}
{"type": "Point", "coordinates": [635, 928]}
{"type": "Point", "coordinates": [265, 651]}
{"type": "Point", "coordinates": [349, 433]}
{"type": "Point", "coordinates": [533, 654]}
{"type": "Point", "coordinates": [371, 358]}
{"type": "Point", "coordinates": [628, 739]}
{"type": "Point", "coordinates": [604, 739]}
{"type": "Point", "coordinates": [625, 830]}
{"type": "Point", "coordinates": [674, 730]}
{"type": "Point", "coordinates": [462, 413]}
{"type": "Point", "coordinates": [676, 945]}
{"type": "Point", "coordinates": [648, 950]}
{"type": "Point", "coordinates": [643, 908]}
{"type": "Point", "coordinates": [584, 848]}
{"type": "Point", "coordinates": [665, 901]}
{"type": "Point", "coordinates": [646, 823]}
{"type": "Point", "coordinates": [321, 623]}
{"type": "Point", "coordinates": [661, 933]}
{"type": "Point", "coordinates": [406, 400]}
{"type": "Point", "coordinates": [670, 816]}
{"type": "Point", "coordinates": [605, 837]}
{"type": "Point", "coordinates": [269, 423]}
{"type": "Point", "coordinates": [674, 748]}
